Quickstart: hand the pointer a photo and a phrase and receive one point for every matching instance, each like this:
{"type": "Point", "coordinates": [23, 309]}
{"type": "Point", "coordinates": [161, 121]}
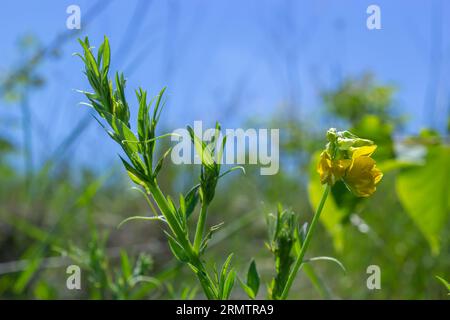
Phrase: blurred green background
{"type": "Point", "coordinates": [63, 191]}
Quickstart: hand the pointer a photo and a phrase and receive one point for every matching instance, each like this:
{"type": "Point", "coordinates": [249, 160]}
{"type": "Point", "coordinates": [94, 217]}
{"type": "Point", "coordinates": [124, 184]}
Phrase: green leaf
{"type": "Point", "coordinates": [125, 136]}
{"type": "Point", "coordinates": [106, 56]}
{"type": "Point", "coordinates": [253, 278]}
{"type": "Point", "coordinates": [177, 249]}
{"type": "Point", "coordinates": [332, 215]}
{"type": "Point", "coordinates": [225, 266]}
{"type": "Point", "coordinates": [247, 289]}
{"type": "Point", "coordinates": [425, 192]}
{"type": "Point", "coordinates": [135, 175]}
{"type": "Point", "coordinates": [202, 151]}
{"type": "Point", "coordinates": [157, 218]}
{"type": "Point", "coordinates": [444, 282]}
{"type": "Point", "coordinates": [158, 107]}
{"type": "Point", "coordinates": [191, 200]}
{"type": "Point", "coordinates": [161, 161]}
{"type": "Point", "coordinates": [223, 275]}
{"type": "Point", "coordinates": [228, 284]}
{"type": "Point", "coordinates": [126, 266]}
{"type": "Point", "coordinates": [91, 64]}
{"type": "Point", "coordinates": [143, 117]}
{"type": "Point", "coordinates": [324, 258]}
{"type": "Point", "coordinates": [232, 169]}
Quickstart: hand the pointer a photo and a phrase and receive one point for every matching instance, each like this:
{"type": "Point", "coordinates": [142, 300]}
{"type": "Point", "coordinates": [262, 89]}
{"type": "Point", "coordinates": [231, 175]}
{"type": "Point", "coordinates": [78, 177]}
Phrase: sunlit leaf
{"type": "Point", "coordinates": [424, 192]}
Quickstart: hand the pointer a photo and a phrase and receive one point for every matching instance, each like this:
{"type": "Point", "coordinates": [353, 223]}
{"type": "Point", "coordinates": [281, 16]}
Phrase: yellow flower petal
{"type": "Point", "coordinates": [340, 167]}
{"type": "Point", "coordinates": [363, 151]}
{"type": "Point", "coordinates": [363, 176]}
{"type": "Point", "coordinates": [324, 168]}
{"type": "Point", "coordinates": [331, 170]}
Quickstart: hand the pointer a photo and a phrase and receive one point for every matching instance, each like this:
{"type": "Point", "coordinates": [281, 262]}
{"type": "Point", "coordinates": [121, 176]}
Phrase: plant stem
{"type": "Point", "coordinates": [205, 280]}
{"type": "Point", "coordinates": [305, 244]}
{"type": "Point", "coordinates": [163, 205]}
{"type": "Point", "coordinates": [200, 228]}
{"type": "Point", "coordinates": [208, 286]}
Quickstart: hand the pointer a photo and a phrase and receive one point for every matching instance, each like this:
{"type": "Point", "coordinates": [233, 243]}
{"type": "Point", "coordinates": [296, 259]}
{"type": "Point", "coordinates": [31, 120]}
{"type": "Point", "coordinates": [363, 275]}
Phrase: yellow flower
{"type": "Point", "coordinates": [363, 176]}
{"type": "Point", "coordinates": [359, 173]}
{"type": "Point", "coordinates": [331, 170]}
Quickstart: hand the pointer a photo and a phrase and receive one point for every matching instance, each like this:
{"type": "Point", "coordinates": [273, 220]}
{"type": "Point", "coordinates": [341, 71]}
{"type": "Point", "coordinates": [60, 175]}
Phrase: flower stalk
{"type": "Point", "coordinates": [304, 247]}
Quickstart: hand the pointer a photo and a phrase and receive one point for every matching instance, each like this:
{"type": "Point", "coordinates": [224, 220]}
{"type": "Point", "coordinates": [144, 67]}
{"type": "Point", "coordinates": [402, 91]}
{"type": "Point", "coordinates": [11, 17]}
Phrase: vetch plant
{"type": "Point", "coordinates": [347, 158]}
{"type": "Point", "coordinates": [109, 101]}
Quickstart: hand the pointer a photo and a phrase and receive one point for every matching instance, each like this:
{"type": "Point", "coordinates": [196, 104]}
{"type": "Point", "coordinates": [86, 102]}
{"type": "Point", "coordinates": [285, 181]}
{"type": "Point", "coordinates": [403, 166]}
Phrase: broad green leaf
{"type": "Point", "coordinates": [332, 215]}
{"type": "Point", "coordinates": [253, 278]}
{"type": "Point", "coordinates": [424, 192]}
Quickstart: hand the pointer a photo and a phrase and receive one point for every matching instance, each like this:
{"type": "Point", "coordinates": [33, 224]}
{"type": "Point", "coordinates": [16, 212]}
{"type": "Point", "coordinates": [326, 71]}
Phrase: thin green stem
{"type": "Point", "coordinates": [305, 244]}
{"type": "Point", "coordinates": [200, 227]}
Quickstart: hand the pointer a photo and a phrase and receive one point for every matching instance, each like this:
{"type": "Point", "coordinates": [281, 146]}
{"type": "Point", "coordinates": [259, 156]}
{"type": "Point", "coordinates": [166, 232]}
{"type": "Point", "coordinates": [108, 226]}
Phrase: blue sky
{"type": "Point", "coordinates": [231, 60]}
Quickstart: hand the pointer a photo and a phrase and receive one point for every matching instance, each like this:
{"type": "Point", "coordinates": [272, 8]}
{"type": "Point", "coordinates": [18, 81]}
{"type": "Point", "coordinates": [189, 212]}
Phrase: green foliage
{"type": "Point", "coordinates": [356, 98]}
{"type": "Point", "coordinates": [282, 239]}
{"type": "Point", "coordinates": [445, 283]}
{"type": "Point", "coordinates": [251, 287]}
{"type": "Point", "coordinates": [105, 281]}
{"type": "Point", "coordinates": [112, 106]}
{"type": "Point", "coordinates": [424, 191]}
